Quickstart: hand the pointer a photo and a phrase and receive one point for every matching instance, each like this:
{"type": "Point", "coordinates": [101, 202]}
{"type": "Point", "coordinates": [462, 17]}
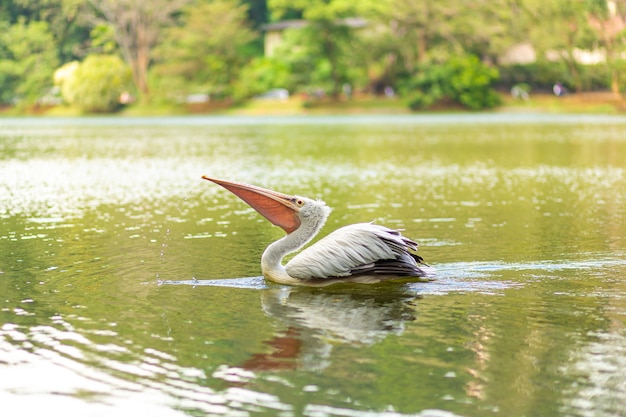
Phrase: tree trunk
{"type": "Point", "coordinates": [142, 63]}
{"type": "Point", "coordinates": [422, 45]}
{"type": "Point", "coordinates": [573, 69]}
{"type": "Point", "coordinates": [330, 51]}
{"type": "Point", "coordinates": [612, 59]}
{"type": "Point", "coordinates": [615, 84]}
{"type": "Point", "coordinates": [137, 24]}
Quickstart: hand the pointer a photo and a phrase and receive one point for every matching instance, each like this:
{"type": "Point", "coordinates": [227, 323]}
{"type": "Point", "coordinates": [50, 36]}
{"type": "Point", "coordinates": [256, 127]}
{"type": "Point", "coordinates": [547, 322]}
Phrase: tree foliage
{"type": "Point", "coordinates": [320, 56]}
{"type": "Point", "coordinates": [464, 80]}
{"type": "Point", "coordinates": [137, 25]}
{"type": "Point", "coordinates": [315, 10]}
{"type": "Point", "coordinates": [27, 61]}
{"type": "Point", "coordinates": [263, 74]}
{"type": "Point", "coordinates": [208, 48]}
{"type": "Point", "coordinates": [212, 46]}
{"type": "Point", "coordinates": [567, 33]}
{"type": "Point", "coordinates": [326, 45]}
{"type": "Point", "coordinates": [96, 84]}
{"type": "Point", "coordinates": [608, 21]}
{"type": "Point", "coordinates": [67, 22]}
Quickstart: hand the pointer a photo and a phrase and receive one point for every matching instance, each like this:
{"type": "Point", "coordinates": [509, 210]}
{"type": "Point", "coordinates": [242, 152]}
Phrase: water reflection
{"type": "Point", "coordinates": [57, 363]}
{"type": "Point", "coordinates": [600, 370]}
{"type": "Point", "coordinates": [315, 321]}
{"type": "Point", "coordinates": [54, 364]}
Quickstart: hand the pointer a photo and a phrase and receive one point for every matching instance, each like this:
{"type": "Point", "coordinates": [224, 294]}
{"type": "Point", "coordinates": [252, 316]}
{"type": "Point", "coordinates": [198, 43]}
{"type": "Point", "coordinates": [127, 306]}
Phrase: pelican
{"type": "Point", "coordinates": [362, 252]}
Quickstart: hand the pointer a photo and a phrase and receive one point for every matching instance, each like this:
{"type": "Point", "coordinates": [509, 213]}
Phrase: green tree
{"type": "Point", "coordinates": [464, 80]}
{"type": "Point", "coordinates": [417, 28]}
{"type": "Point", "coordinates": [263, 74]}
{"type": "Point", "coordinates": [424, 31]}
{"type": "Point", "coordinates": [257, 12]}
{"type": "Point", "coordinates": [96, 84]}
{"type": "Point", "coordinates": [558, 29]}
{"type": "Point", "coordinates": [321, 55]}
{"type": "Point", "coordinates": [137, 25]}
{"type": "Point", "coordinates": [329, 39]}
{"type": "Point", "coordinates": [608, 20]}
{"type": "Point", "coordinates": [487, 28]}
{"type": "Point", "coordinates": [209, 47]}
{"type": "Point", "coordinates": [402, 35]}
{"type": "Point", "coordinates": [27, 61]}
{"type": "Point", "coordinates": [67, 22]}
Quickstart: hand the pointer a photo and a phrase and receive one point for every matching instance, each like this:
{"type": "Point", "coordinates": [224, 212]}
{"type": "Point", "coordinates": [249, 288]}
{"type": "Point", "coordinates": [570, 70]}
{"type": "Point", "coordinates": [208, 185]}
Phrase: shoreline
{"type": "Point", "coordinates": [577, 103]}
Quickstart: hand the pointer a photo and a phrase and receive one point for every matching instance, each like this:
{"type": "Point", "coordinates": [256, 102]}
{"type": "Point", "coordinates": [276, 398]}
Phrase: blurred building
{"type": "Point", "coordinates": [274, 31]}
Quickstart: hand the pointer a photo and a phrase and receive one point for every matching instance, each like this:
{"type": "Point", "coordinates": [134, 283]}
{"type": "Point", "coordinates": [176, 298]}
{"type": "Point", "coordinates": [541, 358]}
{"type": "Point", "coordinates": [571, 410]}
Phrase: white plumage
{"type": "Point", "coordinates": [350, 248]}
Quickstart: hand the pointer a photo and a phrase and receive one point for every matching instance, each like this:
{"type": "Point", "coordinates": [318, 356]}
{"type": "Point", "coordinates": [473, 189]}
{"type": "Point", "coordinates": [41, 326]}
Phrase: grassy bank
{"type": "Point", "coordinates": [600, 103]}
{"type": "Point", "coordinates": [597, 102]}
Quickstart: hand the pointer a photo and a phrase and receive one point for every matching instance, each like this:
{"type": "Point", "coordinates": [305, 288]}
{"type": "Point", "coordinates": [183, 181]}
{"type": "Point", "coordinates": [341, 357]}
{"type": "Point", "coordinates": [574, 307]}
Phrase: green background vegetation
{"type": "Point", "coordinates": [161, 52]}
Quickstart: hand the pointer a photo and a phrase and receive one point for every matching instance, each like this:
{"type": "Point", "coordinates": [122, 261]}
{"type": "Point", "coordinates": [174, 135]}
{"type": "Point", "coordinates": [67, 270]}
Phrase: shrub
{"type": "Point", "coordinates": [542, 75]}
{"type": "Point", "coordinates": [463, 80]}
{"type": "Point", "coordinates": [95, 85]}
{"type": "Point", "coordinates": [261, 75]}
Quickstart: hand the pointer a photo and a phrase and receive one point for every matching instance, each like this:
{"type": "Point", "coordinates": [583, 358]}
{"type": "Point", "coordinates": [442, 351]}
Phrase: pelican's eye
{"type": "Point", "coordinates": [299, 202]}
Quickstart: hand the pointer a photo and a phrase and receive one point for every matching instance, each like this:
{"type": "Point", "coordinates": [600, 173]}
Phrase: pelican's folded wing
{"type": "Point", "coordinates": [362, 248]}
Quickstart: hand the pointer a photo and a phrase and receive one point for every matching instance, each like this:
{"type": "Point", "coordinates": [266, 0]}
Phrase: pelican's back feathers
{"type": "Point", "coordinates": [358, 249]}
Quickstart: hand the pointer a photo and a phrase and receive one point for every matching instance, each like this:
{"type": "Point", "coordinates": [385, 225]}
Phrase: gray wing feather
{"type": "Point", "coordinates": [362, 248]}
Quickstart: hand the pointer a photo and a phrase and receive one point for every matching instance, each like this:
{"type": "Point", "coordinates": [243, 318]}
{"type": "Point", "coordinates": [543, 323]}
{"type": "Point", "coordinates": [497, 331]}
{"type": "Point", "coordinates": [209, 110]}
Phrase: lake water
{"type": "Point", "coordinates": [130, 287]}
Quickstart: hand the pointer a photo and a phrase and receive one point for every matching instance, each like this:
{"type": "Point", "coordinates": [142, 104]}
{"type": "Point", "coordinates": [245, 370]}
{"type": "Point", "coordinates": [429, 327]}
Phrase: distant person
{"type": "Point", "coordinates": [519, 92]}
{"type": "Point", "coordinates": [389, 91]}
{"type": "Point", "coordinates": [319, 93]}
{"type": "Point", "coordinates": [347, 90]}
{"type": "Point", "coordinates": [558, 90]}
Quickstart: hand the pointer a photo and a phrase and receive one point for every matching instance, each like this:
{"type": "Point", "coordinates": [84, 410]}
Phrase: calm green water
{"type": "Point", "coordinates": [111, 246]}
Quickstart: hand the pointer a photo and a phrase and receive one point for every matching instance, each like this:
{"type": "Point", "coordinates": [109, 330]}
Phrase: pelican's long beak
{"type": "Point", "coordinates": [280, 209]}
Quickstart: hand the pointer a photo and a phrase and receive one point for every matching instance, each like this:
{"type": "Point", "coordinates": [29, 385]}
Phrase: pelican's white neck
{"type": "Point", "coordinates": [271, 261]}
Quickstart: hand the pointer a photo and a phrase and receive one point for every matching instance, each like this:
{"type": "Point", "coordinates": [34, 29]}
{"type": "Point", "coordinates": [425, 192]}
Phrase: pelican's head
{"type": "Point", "coordinates": [309, 208]}
{"type": "Point", "coordinates": [283, 210]}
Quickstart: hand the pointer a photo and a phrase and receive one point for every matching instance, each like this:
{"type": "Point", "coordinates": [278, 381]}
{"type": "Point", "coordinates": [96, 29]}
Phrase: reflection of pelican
{"type": "Point", "coordinates": [317, 321]}
{"type": "Point", "coordinates": [343, 317]}
{"type": "Point", "coordinates": [363, 252]}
